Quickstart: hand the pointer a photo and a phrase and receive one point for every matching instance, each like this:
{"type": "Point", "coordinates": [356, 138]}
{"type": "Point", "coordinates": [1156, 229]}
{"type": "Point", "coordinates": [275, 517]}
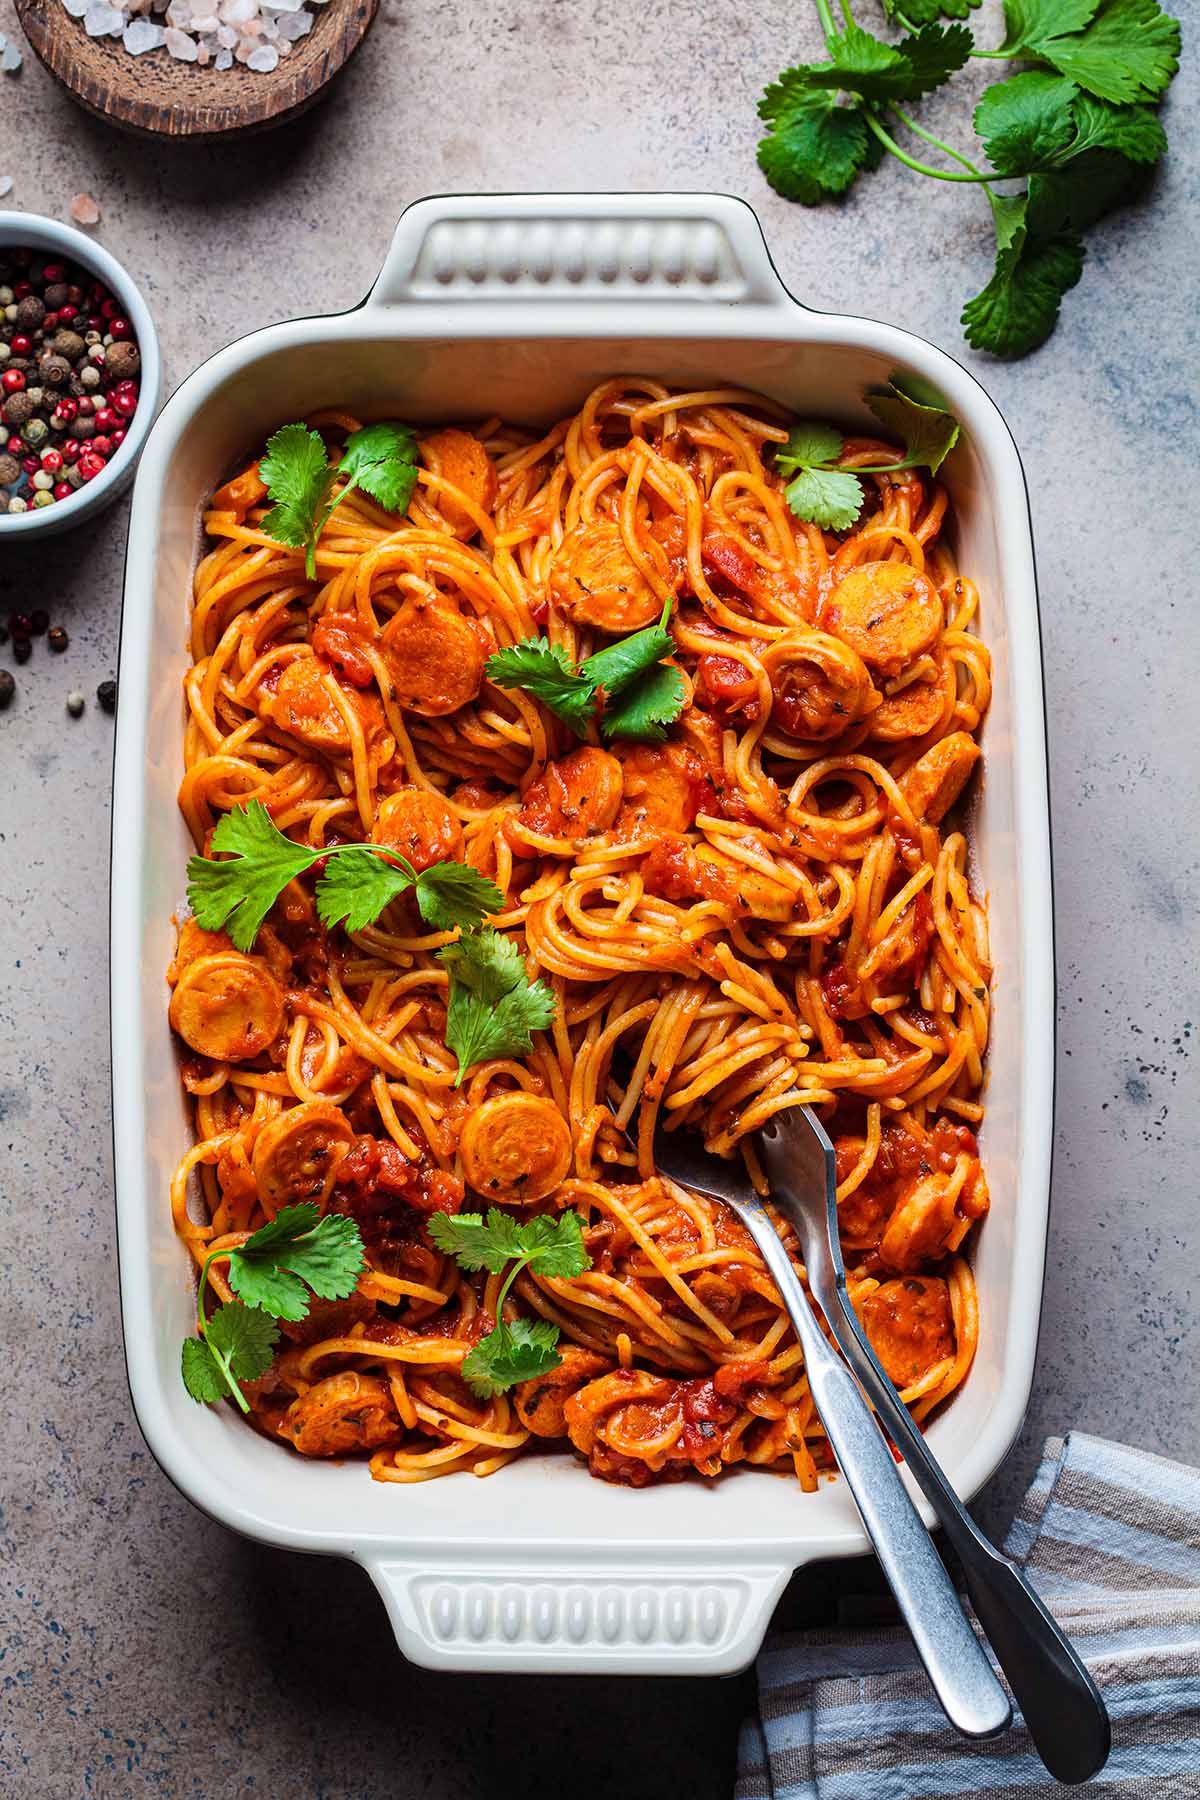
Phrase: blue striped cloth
{"type": "Point", "coordinates": [1111, 1540]}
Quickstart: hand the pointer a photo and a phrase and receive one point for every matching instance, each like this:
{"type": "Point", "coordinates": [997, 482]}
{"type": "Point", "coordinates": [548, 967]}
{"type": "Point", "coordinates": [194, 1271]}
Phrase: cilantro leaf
{"type": "Point", "coordinates": [382, 459]}
{"type": "Point", "coordinates": [1026, 121]}
{"type": "Point", "coordinates": [864, 65]}
{"type": "Point", "coordinates": [453, 893]}
{"type": "Point", "coordinates": [554, 1246]}
{"type": "Point", "coordinates": [511, 1353]}
{"type": "Point", "coordinates": [202, 1375]}
{"type": "Point", "coordinates": [831, 498]}
{"type": "Point", "coordinates": [914, 411]}
{"type": "Point", "coordinates": [476, 1242]}
{"type": "Point", "coordinates": [1124, 50]}
{"type": "Point", "coordinates": [1017, 309]}
{"type": "Point", "coordinates": [298, 478]}
{"type": "Point", "coordinates": [924, 12]}
{"type": "Point", "coordinates": [544, 670]}
{"type": "Point", "coordinates": [1132, 131]}
{"type": "Point", "coordinates": [493, 1007]}
{"type": "Point", "coordinates": [809, 442]}
{"type": "Point", "coordinates": [240, 892]}
{"type": "Point", "coordinates": [643, 711]}
{"type": "Point", "coordinates": [816, 146]}
{"type": "Point", "coordinates": [620, 664]}
{"type": "Point", "coordinates": [358, 883]}
{"type": "Point", "coordinates": [270, 1269]}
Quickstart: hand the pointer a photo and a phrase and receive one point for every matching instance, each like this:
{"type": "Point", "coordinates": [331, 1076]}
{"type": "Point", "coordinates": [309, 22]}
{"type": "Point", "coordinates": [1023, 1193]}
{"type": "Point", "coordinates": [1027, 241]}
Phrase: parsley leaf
{"type": "Point", "coordinates": [493, 1007]}
{"type": "Point", "coordinates": [642, 711]}
{"type": "Point", "coordinates": [511, 1353]}
{"type": "Point", "coordinates": [864, 65]}
{"type": "Point", "coordinates": [240, 892]}
{"type": "Point", "coordinates": [1127, 50]}
{"type": "Point", "coordinates": [554, 1247]}
{"type": "Point", "coordinates": [1027, 121]}
{"type": "Point", "coordinates": [359, 882]}
{"type": "Point", "coordinates": [453, 893]}
{"type": "Point", "coordinates": [1017, 309]}
{"type": "Point", "coordinates": [544, 670]}
{"type": "Point", "coordinates": [381, 459]}
{"type": "Point", "coordinates": [298, 478]}
{"type": "Point", "coordinates": [270, 1269]}
{"type": "Point", "coordinates": [816, 146]}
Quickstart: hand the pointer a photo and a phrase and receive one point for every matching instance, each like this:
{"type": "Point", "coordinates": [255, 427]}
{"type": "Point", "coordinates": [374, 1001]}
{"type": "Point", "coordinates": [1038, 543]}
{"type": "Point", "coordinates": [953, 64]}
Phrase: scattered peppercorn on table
{"type": "Point", "coordinates": [148, 1652]}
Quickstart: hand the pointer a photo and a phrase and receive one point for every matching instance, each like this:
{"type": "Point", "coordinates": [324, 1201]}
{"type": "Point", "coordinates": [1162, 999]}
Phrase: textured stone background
{"type": "Point", "coordinates": [143, 1651]}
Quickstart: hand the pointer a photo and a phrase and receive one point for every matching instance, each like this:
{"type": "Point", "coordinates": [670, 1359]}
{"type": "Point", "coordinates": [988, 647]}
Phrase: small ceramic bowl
{"type": "Point", "coordinates": [49, 237]}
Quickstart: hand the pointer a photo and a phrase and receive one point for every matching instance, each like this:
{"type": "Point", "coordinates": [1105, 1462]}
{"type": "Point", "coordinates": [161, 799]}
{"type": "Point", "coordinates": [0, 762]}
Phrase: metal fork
{"type": "Point", "coordinates": [1060, 1702]}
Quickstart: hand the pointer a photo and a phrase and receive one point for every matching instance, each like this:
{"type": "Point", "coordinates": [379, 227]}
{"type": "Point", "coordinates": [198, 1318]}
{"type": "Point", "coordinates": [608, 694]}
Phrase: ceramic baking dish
{"type": "Point", "coordinates": [519, 305]}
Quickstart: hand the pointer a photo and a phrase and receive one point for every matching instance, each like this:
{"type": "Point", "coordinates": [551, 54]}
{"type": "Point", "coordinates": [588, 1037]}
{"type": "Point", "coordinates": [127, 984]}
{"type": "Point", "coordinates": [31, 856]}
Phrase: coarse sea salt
{"type": "Point", "coordinates": [212, 33]}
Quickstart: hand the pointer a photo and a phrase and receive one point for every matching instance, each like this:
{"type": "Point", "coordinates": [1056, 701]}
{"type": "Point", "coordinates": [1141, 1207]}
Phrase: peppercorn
{"type": "Point", "coordinates": [22, 649]}
{"type": "Point", "coordinates": [20, 624]}
{"type": "Point", "coordinates": [89, 376]}
{"type": "Point", "coordinates": [8, 688]}
{"type": "Point", "coordinates": [69, 344]}
{"type": "Point", "coordinates": [10, 470]}
{"type": "Point", "coordinates": [39, 622]}
{"type": "Point", "coordinates": [17, 409]}
{"type": "Point", "coordinates": [57, 638]}
{"type": "Point", "coordinates": [56, 295]}
{"type": "Point", "coordinates": [54, 371]}
{"type": "Point", "coordinates": [30, 313]}
{"type": "Point", "coordinates": [43, 497]}
{"type": "Point", "coordinates": [106, 694]}
{"type": "Point", "coordinates": [123, 360]}
{"type": "Point", "coordinates": [75, 703]}
{"type": "Point", "coordinates": [85, 428]}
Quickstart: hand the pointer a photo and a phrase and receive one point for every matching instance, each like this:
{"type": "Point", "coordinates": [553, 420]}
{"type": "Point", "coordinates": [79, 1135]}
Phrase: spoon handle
{"type": "Point", "coordinates": [962, 1677]}
{"type": "Point", "coordinates": [1061, 1704]}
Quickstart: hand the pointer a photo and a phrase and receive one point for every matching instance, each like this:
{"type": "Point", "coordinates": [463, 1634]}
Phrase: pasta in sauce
{"type": "Point", "coordinates": [769, 908]}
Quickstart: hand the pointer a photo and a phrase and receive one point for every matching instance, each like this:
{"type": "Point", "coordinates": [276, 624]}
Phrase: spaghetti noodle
{"type": "Point", "coordinates": [766, 909]}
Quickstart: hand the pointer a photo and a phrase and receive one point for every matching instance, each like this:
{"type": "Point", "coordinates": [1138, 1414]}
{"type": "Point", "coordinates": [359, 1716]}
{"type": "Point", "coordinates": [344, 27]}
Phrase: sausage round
{"type": "Point", "coordinates": [461, 459]}
{"type": "Point", "coordinates": [594, 581]}
{"type": "Point", "coordinates": [888, 612]}
{"type": "Point", "coordinates": [421, 826]}
{"type": "Point", "coordinates": [294, 1153]}
{"type": "Point", "coordinates": [434, 657]}
{"type": "Point", "coordinates": [227, 1006]}
{"type": "Point", "coordinates": [516, 1149]}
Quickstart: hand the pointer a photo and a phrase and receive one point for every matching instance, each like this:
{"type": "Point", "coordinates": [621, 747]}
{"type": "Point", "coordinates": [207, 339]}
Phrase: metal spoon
{"type": "Point", "coordinates": [1061, 1705]}
{"type": "Point", "coordinates": [962, 1677]}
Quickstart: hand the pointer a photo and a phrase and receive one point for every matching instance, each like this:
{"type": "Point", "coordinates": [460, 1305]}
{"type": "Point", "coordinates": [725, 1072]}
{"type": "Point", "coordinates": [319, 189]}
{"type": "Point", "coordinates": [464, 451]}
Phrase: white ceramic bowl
{"type": "Point", "coordinates": [519, 305]}
{"type": "Point", "coordinates": [48, 236]}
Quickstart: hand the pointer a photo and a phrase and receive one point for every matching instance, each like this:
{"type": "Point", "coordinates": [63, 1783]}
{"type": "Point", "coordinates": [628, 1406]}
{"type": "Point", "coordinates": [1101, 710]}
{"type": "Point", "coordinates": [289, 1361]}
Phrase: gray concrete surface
{"type": "Point", "coordinates": [143, 1651]}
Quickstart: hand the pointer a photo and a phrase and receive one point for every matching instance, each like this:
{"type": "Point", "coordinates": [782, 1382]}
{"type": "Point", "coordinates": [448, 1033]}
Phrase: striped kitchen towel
{"type": "Point", "coordinates": [1111, 1540]}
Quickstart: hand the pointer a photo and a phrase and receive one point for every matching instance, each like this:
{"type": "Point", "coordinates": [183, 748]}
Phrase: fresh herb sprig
{"type": "Point", "coordinates": [271, 1274]}
{"type": "Point", "coordinates": [381, 459]}
{"type": "Point", "coordinates": [833, 497]}
{"type": "Point", "coordinates": [493, 1007]}
{"type": "Point", "coordinates": [639, 693]}
{"type": "Point", "coordinates": [527, 1347]}
{"type": "Point", "coordinates": [358, 881]}
{"type": "Point", "coordinates": [1078, 129]}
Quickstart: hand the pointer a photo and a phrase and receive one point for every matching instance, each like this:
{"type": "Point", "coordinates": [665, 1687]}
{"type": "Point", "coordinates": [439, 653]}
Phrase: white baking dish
{"type": "Point", "coordinates": [519, 305]}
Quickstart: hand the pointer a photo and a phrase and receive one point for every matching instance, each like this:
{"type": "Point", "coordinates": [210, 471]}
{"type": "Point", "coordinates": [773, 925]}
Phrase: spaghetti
{"type": "Point", "coordinates": [766, 909]}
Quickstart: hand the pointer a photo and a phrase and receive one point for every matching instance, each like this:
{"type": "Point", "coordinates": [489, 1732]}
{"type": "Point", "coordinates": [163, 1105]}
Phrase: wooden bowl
{"type": "Point", "coordinates": [156, 96]}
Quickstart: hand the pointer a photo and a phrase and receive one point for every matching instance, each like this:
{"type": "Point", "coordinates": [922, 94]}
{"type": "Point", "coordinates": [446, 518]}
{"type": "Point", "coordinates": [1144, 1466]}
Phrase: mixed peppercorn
{"type": "Point", "coordinates": [70, 372]}
{"type": "Point", "coordinates": [19, 631]}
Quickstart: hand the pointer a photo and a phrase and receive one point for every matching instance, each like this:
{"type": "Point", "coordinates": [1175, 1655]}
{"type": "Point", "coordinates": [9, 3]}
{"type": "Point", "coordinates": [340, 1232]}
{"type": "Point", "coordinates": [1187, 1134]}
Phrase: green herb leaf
{"type": "Point", "coordinates": [1017, 309]}
{"type": "Point", "coordinates": [831, 498]}
{"type": "Point", "coordinates": [382, 460]}
{"type": "Point", "coordinates": [553, 1245]}
{"type": "Point", "coordinates": [1132, 131]}
{"type": "Point", "coordinates": [544, 671]}
{"type": "Point", "coordinates": [924, 12]}
{"type": "Point", "coordinates": [509, 1354]}
{"type": "Point", "coordinates": [1125, 50]}
{"type": "Point", "coordinates": [864, 65]}
{"type": "Point", "coordinates": [1027, 121]}
{"type": "Point", "coordinates": [453, 893]}
{"type": "Point", "coordinates": [816, 146]}
{"type": "Point", "coordinates": [270, 1269]}
{"type": "Point", "coordinates": [202, 1374]}
{"type": "Point", "coordinates": [238, 1345]}
{"type": "Point", "coordinates": [358, 882]}
{"type": "Point", "coordinates": [810, 443]}
{"type": "Point", "coordinates": [240, 892]}
{"type": "Point", "coordinates": [619, 665]}
{"type": "Point", "coordinates": [493, 1007]}
{"type": "Point", "coordinates": [298, 479]}
{"type": "Point", "coordinates": [912, 410]}
{"type": "Point", "coordinates": [642, 712]}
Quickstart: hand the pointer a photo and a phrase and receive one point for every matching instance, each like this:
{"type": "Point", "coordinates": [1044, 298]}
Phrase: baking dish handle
{"type": "Point", "coordinates": [607, 1617]}
{"type": "Point", "coordinates": [610, 250]}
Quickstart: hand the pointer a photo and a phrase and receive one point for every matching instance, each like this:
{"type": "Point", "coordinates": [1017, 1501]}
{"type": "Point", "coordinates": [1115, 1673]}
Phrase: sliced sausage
{"type": "Point", "coordinates": [888, 612]}
{"type": "Point", "coordinates": [516, 1149]}
{"type": "Point", "coordinates": [227, 1006]}
{"type": "Point", "coordinates": [921, 1224]}
{"type": "Point", "coordinates": [461, 459]}
{"type": "Point", "coordinates": [341, 1414]}
{"type": "Point", "coordinates": [912, 712]}
{"type": "Point", "coordinates": [820, 686]}
{"type": "Point", "coordinates": [302, 705]}
{"type": "Point", "coordinates": [936, 780]}
{"type": "Point", "coordinates": [910, 1326]}
{"type": "Point", "coordinates": [575, 798]}
{"type": "Point", "coordinates": [297, 1152]}
{"type": "Point", "coordinates": [594, 581]}
{"type": "Point", "coordinates": [434, 656]}
{"type": "Point", "coordinates": [540, 1402]}
{"type": "Point", "coordinates": [421, 826]}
